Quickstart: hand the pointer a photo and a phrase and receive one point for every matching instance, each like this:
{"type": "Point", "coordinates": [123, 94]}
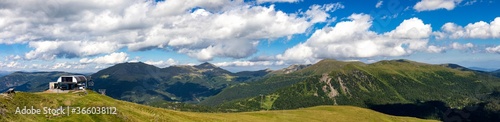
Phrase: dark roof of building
{"type": "Point", "coordinates": [79, 78]}
{"type": "Point", "coordinates": [11, 90]}
{"type": "Point", "coordinates": [67, 83]}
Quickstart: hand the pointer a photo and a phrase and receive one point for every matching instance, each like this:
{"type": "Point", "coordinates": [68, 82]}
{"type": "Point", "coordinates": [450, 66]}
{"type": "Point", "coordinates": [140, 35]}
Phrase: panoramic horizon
{"type": "Point", "coordinates": [241, 70]}
{"type": "Point", "coordinates": [250, 60]}
{"type": "Point", "coordinates": [84, 37]}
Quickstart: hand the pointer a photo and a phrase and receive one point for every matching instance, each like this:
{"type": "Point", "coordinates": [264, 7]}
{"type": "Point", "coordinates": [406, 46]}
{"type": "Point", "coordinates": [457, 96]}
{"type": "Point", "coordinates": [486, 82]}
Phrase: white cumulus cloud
{"type": "Point", "coordinates": [247, 63]}
{"type": "Point", "coordinates": [12, 64]}
{"type": "Point", "coordinates": [13, 57]}
{"type": "Point", "coordinates": [379, 4]}
{"type": "Point", "coordinates": [317, 13]}
{"type": "Point", "coordinates": [49, 50]}
{"type": "Point", "coordinates": [277, 1]}
{"type": "Point", "coordinates": [477, 30]}
{"type": "Point", "coordinates": [353, 39]}
{"type": "Point", "coordinates": [61, 66]}
{"type": "Point", "coordinates": [435, 49]}
{"type": "Point", "coordinates": [459, 46]}
{"type": "Point", "coordinates": [493, 49]}
{"type": "Point", "coordinates": [202, 29]}
{"type": "Point", "coordinates": [112, 58]}
{"type": "Point", "coordinates": [429, 5]}
{"type": "Point", "coordinates": [166, 63]}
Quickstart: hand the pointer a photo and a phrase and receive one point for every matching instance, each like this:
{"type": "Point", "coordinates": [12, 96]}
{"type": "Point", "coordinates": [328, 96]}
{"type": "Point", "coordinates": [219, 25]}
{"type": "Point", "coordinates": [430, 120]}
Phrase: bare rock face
{"type": "Point", "coordinates": [344, 89]}
{"type": "Point", "coordinates": [294, 68]}
{"type": "Point", "coordinates": [328, 88]}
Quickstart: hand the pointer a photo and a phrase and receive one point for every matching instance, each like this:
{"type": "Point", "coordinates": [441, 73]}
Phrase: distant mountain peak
{"type": "Point", "coordinates": [403, 60]}
{"type": "Point", "coordinates": [268, 70]}
{"type": "Point", "coordinates": [453, 66]}
{"type": "Point", "coordinates": [327, 60]}
{"type": "Point", "coordinates": [483, 69]}
{"type": "Point", "coordinates": [497, 70]}
{"type": "Point", "coordinates": [133, 63]}
{"type": "Point", "coordinates": [292, 68]}
{"type": "Point", "coordinates": [129, 68]}
{"type": "Point", "coordinates": [206, 65]}
{"type": "Point", "coordinates": [295, 66]}
{"type": "Point", "coordinates": [458, 67]}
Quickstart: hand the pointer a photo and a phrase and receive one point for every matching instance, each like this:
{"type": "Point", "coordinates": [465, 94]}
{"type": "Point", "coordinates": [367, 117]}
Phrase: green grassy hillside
{"type": "Point", "coordinates": [331, 82]}
{"type": "Point", "coordinates": [127, 111]}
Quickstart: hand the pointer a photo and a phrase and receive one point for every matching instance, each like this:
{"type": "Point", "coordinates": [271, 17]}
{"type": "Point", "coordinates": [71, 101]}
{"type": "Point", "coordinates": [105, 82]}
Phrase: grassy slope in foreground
{"type": "Point", "coordinates": [127, 111]}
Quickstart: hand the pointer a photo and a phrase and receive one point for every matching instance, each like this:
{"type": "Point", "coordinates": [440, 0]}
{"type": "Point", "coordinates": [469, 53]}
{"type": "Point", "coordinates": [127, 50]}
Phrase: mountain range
{"type": "Point", "coordinates": [378, 86]}
{"type": "Point", "coordinates": [482, 69]}
{"type": "Point", "coordinates": [385, 83]}
{"type": "Point", "coordinates": [143, 83]}
{"type": "Point", "coordinates": [496, 73]}
{"type": "Point", "coordinates": [381, 78]}
{"type": "Point", "coordinates": [3, 73]}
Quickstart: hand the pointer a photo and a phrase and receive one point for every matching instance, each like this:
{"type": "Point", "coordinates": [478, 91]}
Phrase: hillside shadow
{"type": "Point", "coordinates": [191, 90]}
{"type": "Point", "coordinates": [426, 110]}
{"type": "Point", "coordinates": [440, 111]}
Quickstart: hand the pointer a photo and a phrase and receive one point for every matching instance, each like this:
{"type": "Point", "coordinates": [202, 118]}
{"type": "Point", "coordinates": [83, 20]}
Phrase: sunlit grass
{"type": "Point", "coordinates": [127, 111]}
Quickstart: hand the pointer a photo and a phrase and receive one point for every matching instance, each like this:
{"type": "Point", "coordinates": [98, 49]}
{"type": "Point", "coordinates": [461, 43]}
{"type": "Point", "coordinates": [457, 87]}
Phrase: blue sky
{"type": "Point", "coordinates": [245, 35]}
